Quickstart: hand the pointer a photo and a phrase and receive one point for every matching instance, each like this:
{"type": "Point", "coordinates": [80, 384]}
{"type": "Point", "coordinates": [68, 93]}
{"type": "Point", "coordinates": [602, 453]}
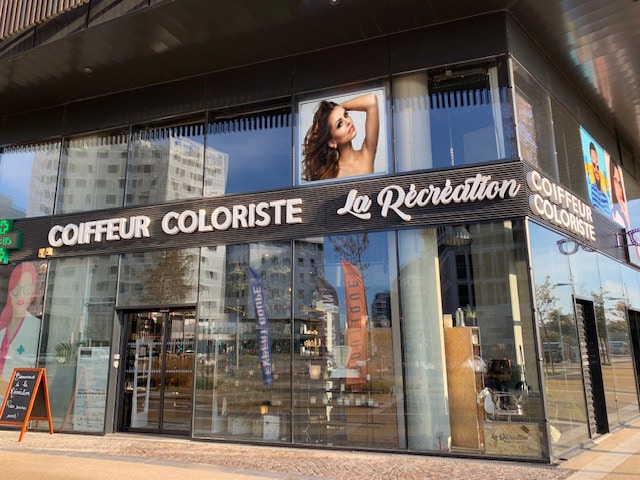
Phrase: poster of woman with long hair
{"type": "Point", "coordinates": [620, 207]}
{"type": "Point", "coordinates": [19, 328]}
{"type": "Point", "coordinates": [342, 136]}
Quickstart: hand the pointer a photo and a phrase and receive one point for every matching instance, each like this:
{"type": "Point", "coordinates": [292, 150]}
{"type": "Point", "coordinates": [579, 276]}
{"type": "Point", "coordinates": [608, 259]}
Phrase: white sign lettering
{"type": "Point", "coordinates": [560, 207]}
{"type": "Point", "coordinates": [260, 214]}
{"type": "Point", "coordinates": [356, 205]}
{"type": "Point", "coordinates": [89, 232]}
{"type": "Point", "coordinates": [253, 215]}
{"type": "Point", "coordinates": [394, 198]}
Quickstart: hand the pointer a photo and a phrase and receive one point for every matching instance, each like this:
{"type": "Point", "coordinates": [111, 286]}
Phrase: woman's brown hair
{"type": "Point", "coordinates": [320, 161]}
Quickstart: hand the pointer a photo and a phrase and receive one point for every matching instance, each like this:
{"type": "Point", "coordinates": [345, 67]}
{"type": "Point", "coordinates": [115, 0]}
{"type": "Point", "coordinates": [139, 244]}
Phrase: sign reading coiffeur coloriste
{"type": "Point", "coordinates": [557, 205]}
{"type": "Point", "coordinates": [482, 193]}
{"type": "Point", "coordinates": [237, 217]}
{"type": "Point", "coordinates": [392, 200]}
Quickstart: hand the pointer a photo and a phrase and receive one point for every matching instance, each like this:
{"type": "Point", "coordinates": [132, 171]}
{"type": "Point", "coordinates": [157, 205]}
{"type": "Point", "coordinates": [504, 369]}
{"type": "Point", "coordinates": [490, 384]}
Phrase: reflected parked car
{"type": "Point", "coordinates": [552, 352]}
{"type": "Point", "coordinates": [618, 347]}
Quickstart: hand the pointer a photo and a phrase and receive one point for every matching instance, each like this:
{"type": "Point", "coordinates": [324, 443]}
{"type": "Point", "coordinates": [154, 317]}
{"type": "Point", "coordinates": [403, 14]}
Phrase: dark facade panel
{"type": "Point", "coordinates": [559, 86]}
{"type": "Point", "coordinates": [98, 113]}
{"type": "Point", "coordinates": [169, 99]}
{"type": "Point", "coordinates": [562, 91]}
{"type": "Point", "coordinates": [531, 57]}
{"type": "Point", "coordinates": [255, 83]}
{"type": "Point", "coordinates": [32, 126]}
{"type": "Point", "coordinates": [527, 52]}
{"type": "Point", "coordinates": [467, 39]}
{"type": "Point", "coordinates": [346, 64]}
{"type": "Point", "coordinates": [107, 10]}
{"type": "Point", "coordinates": [17, 44]}
{"type": "Point", "coordinates": [61, 27]}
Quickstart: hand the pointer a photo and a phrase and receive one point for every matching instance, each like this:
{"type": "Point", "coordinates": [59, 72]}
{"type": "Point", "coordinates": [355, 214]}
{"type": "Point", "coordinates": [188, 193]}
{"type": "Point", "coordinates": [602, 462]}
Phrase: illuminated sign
{"type": "Point", "coordinates": [11, 240]}
{"type": "Point", "coordinates": [5, 226]}
{"type": "Point", "coordinates": [8, 240]}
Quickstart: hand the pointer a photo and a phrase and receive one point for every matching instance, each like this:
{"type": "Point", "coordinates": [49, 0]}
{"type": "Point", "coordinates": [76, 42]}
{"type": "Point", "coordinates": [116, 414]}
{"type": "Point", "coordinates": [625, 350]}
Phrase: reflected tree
{"type": "Point", "coordinates": [352, 248]}
{"type": "Point", "coordinates": [167, 282]}
{"type": "Point", "coordinates": [237, 282]}
{"type": "Point", "coordinates": [601, 322]}
{"type": "Point", "coordinates": [545, 303]}
{"type": "Point", "coordinates": [618, 328]}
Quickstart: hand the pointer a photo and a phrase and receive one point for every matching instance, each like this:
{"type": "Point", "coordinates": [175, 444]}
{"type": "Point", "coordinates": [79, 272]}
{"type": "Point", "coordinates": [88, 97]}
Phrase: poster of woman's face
{"type": "Point", "coordinates": [342, 135]}
{"type": "Point", "coordinates": [21, 304]}
{"type": "Point", "coordinates": [595, 160]}
{"type": "Point", "coordinates": [620, 209]}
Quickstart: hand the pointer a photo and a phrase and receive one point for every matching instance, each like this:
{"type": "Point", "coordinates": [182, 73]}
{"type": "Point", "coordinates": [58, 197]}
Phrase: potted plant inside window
{"type": "Point", "coordinates": [471, 316]}
{"type": "Point", "coordinates": [64, 377]}
{"type": "Point", "coordinates": [67, 352]}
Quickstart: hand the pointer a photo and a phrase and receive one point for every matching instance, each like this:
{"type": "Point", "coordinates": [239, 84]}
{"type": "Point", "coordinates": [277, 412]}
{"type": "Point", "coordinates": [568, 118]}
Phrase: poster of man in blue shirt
{"type": "Point", "coordinates": [595, 168]}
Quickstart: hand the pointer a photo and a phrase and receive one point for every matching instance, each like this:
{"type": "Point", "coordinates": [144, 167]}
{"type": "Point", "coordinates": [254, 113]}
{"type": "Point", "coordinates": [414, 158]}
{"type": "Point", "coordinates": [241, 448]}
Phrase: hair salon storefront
{"type": "Point", "coordinates": [178, 275]}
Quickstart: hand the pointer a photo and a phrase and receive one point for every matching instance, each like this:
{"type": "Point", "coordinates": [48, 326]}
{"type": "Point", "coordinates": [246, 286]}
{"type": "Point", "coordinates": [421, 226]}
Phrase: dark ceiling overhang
{"type": "Point", "coordinates": [107, 46]}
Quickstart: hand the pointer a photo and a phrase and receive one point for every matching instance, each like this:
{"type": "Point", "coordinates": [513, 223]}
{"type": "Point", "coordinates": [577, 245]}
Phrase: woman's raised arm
{"type": "Point", "coordinates": [367, 103]}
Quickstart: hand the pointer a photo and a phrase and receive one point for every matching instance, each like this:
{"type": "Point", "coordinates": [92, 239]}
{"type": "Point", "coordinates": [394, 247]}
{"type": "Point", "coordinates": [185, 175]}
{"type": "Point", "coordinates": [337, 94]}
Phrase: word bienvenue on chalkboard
{"type": "Point", "coordinates": [27, 398]}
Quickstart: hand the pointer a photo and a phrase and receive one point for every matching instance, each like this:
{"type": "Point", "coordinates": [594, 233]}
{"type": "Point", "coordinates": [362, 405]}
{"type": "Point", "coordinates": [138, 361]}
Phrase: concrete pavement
{"type": "Point", "coordinates": [80, 457]}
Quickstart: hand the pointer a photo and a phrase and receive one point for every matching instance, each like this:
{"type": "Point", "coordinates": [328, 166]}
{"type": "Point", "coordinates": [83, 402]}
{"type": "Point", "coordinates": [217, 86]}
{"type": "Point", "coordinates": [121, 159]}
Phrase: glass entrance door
{"type": "Point", "coordinates": [158, 378]}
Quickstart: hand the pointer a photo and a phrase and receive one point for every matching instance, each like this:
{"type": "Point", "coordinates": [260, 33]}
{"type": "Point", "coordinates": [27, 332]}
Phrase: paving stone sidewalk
{"type": "Point", "coordinates": [280, 462]}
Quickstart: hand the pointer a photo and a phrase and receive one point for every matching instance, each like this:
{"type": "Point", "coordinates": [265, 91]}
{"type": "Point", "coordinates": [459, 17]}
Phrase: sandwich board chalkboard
{"type": "Point", "coordinates": [27, 398]}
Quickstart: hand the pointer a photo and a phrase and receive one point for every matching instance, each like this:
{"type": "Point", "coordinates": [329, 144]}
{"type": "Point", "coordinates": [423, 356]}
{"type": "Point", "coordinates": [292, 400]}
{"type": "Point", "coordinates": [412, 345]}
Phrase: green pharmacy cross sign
{"type": "Point", "coordinates": [8, 240]}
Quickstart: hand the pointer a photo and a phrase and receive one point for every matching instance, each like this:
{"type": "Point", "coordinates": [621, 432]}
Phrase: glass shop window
{"type": "Point", "coordinates": [243, 379]}
{"type": "Point", "coordinates": [166, 162]}
{"type": "Point", "coordinates": [92, 170]}
{"type": "Point", "coordinates": [248, 151]}
{"type": "Point", "coordinates": [75, 345]}
{"type": "Point", "coordinates": [28, 176]}
{"type": "Point", "coordinates": [489, 352]}
{"type": "Point", "coordinates": [347, 365]}
{"type": "Point", "coordinates": [461, 112]}
{"type": "Point", "coordinates": [533, 120]}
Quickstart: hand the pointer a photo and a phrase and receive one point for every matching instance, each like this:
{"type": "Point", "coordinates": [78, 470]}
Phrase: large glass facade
{"type": "Point", "coordinates": [570, 163]}
{"type": "Point", "coordinates": [462, 113]}
{"type": "Point", "coordinates": [92, 172]}
{"type": "Point", "coordinates": [589, 348]}
{"type": "Point", "coordinates": [346, 364]}
{"type": "Point", "coordinates": [436, 339]}
{"type": "Point", "coordinates": [337, 340]}
{"type": "Point", "coordinates": [468, 331]}
{"type": "Point", "coordinates": [533, 122]}
{"type": "Point", "coordinates": [558, 336]}
{"type": "Point", "coordinates": [165, 163]}
{"type": "Point", "coordinates": [617, 361]}
{"type": "Point", "coordinates": [236, 143]}
{"type": "Point", "coordinates": [28, 176]}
